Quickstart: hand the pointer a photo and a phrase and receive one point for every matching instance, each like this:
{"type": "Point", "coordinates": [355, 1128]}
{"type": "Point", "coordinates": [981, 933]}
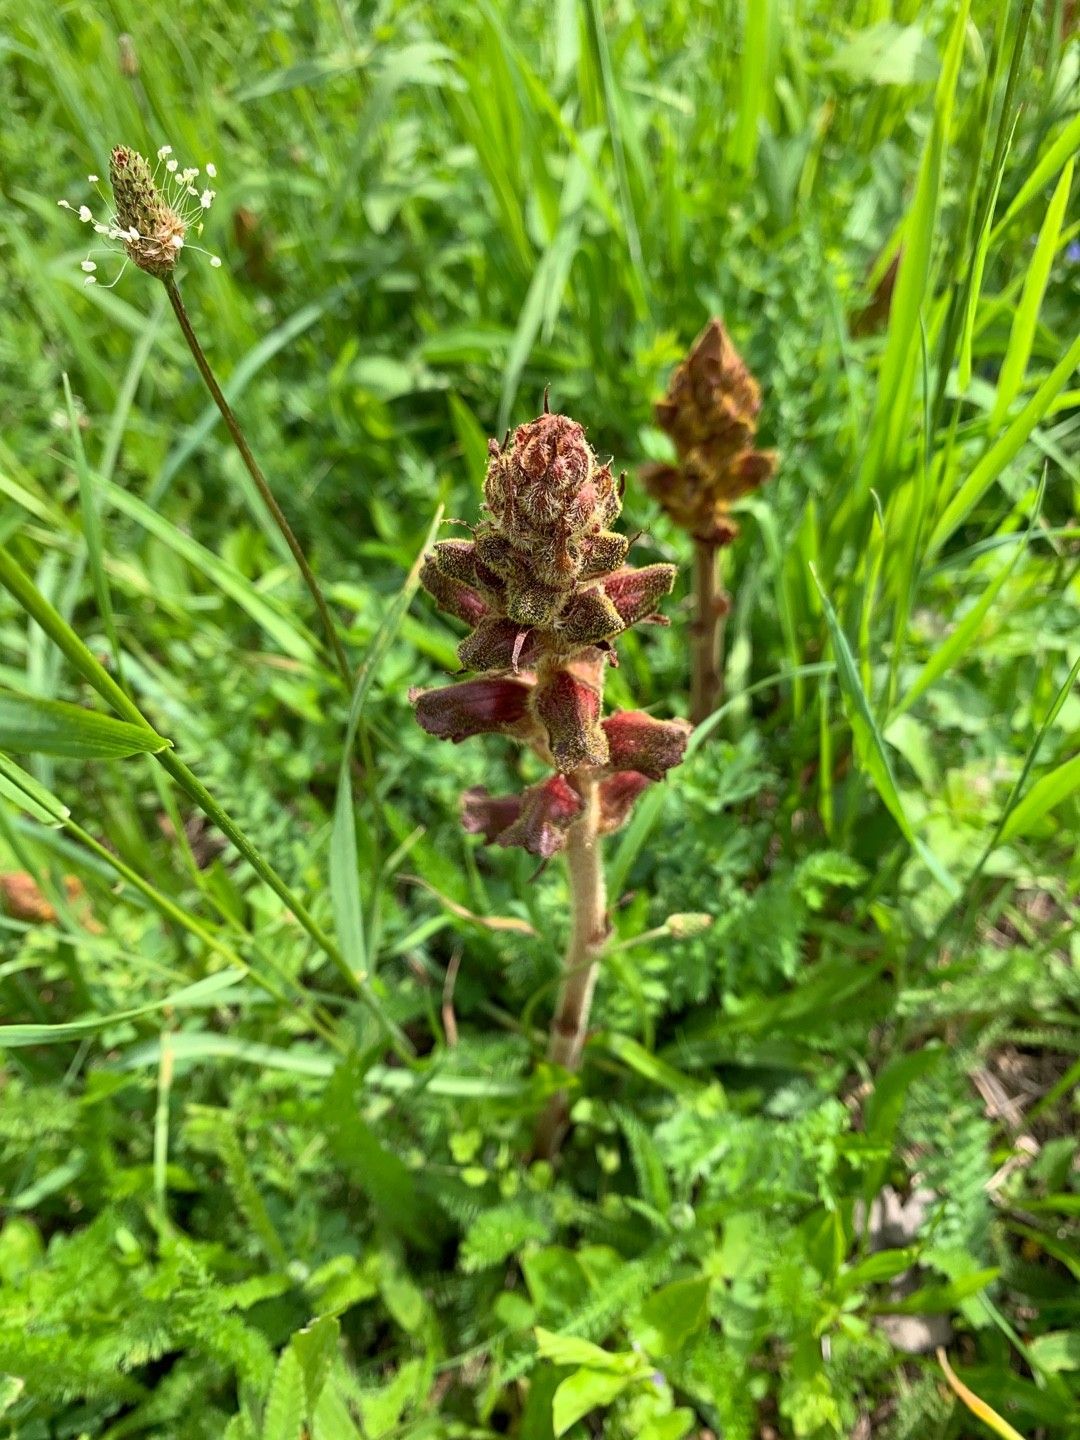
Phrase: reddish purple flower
{"type": "Point", "coordinates": [569, 710]}
{"type": "Point", "coordinates": [537, 821]}
{"type": "Point", "coordinates": [638, 742]}
{"type": "Point", "coordinates": [453, 596]}
{"type": "Point", "coordinates": [475, 707]}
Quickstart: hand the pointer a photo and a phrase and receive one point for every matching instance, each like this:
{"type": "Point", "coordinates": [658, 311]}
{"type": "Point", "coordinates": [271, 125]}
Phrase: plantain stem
{"type": "Point", "coordinates": [261, 484]}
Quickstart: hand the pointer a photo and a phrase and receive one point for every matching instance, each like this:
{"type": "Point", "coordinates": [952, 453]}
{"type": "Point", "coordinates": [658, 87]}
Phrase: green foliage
{"type": "Point", "coordinates": [273, 1026]}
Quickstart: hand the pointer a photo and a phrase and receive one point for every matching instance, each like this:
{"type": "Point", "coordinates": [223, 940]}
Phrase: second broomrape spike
{"type": "Point", "coordinates": [710, 411]}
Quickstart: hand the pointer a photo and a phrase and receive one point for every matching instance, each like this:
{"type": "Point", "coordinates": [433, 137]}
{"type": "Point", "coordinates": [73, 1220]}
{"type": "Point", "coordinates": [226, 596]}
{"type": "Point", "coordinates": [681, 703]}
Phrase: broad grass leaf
{"type": "Point", "coordinates": [202, 993]}
{"type": "Point", "coordinates": [32, 726]}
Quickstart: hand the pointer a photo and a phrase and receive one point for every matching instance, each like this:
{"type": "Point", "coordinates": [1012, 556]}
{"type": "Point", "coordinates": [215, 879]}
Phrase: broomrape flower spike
{"type": "Point", "coordinates": [544, 587]}
{"type": "Point", "coordinates": [154, 211]}
{"type": "Point", "coordinates": [710, 411]}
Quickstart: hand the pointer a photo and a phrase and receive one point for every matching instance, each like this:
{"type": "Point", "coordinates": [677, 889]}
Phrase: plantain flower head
{"type": "Point", "coordinates": [154, 211]}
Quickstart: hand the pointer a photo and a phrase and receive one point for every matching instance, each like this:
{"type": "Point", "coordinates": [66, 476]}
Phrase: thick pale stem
{"type": "Point", "coordinates": [588, 936]}
{"type": "Point", "coordinates": [261, 484]}
{"type": "Point", "coordinates": [707, 632]}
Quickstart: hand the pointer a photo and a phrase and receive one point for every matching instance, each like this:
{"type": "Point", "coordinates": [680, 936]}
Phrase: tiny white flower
{"type": "Point", "coordinates": [89, 266]}
{"type": "Point", "coordinates": [206, 199]}
{"type": "Point", "coordinates": [165, 150]}
{"type": "Point", "coordinates": [211, 170]}
{"type": "Point", "coordinates": [85, 213]}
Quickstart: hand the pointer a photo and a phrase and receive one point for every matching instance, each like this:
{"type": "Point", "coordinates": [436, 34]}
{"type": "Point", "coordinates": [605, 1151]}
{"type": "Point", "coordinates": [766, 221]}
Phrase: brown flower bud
{"type": "Point", "coordinates": [635, 592]}
{"type": "Point", "coordinates": [710, 411]}
{"type": "Point", "coordinates": [451, 595]}
{"type": "Point", "coordinates": [638, 742]}
{"type": "Point", "coordinates": [476, 707]}
{"type": "Point", "coordinates": [499, 645]}
{"type": "Point", "coordinates": [569, 710]}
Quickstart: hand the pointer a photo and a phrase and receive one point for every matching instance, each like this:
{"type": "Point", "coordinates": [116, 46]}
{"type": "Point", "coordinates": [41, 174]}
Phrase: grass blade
{"type": "Point", "coordinates": [1022, 335]}
{"type": "Point", "coordinates": [33, 726]}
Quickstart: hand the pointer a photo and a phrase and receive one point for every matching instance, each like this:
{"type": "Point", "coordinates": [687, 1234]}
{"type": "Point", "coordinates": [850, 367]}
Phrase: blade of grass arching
{"type": "Point", "coordinates": [1046, 794]}
{"type": "Point", "coordinates": [29, 795]}
{"type": "Point", "coordinates": [202, 993]}
{"type": "Point", "coordinates": [95, 546]}
{"type": "Point", "coordinates": [189, 1045]}
{"type": "Point", "coordinates": [1066, 144]}
{"type": "Point", "coordinates": [960, 295]}
{"type": "Point", "coordinates": [870, 744]}
{"type": "Point", "coordinates": [978, 267]}
{"type": "Point", "coordinates": [1022, 335]}
{"type": "Point", "coordinates": [52, 623]}
{"type": "Point", "coordinates": [961, 902]}
{"type": "Point", "coordinates": [960, 639]}
{"type": "Point", "coordinates": [344, 859]}
{"type": "Point", "coordinates": [598, 41]}
{"type": "Point", "coordinates": [140, 354]}
{"type": "Point", "coordinates": [278, 624]}
{"type": "Point", "coordinates": [912, 526]}
{"type": "Point", "coordinates": [1003, 449]}
{"type": "Point", "coordinates": [896, 381]}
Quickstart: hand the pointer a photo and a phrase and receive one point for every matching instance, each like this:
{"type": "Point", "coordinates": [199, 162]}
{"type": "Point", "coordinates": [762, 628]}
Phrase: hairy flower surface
{"type": "Point", "coordinates": [710, 411]}
{"type": "Point", "coordinates": [153, 213]}
{"type": "Point", "coordinates": [545, 589]}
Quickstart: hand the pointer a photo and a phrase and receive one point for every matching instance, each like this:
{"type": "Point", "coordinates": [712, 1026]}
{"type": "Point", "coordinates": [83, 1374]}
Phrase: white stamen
{"type": "Point", "coordinates": [206, 199]}
{"type": "Point", "coordinates": [90, 280]}
{"type": "Point", "coordinates": [165, 150]}
{"type": "Point", "coordinates": [176, 241]}
{"type": "Point", "coordinates": [172, 166]}
{"type": "Point", "coordinates": [85, 213]}
{"type": "Point", "coordinates": [211, 170]}
{"type": "Point", "coordinates": [215, 261]}
{"type": "Point", "coordinates": [93, 179]}
{"type": "Point", "coordinates": [104, 230]}
{"type": "Point", "coordinates": [88, 266]}
{"type": "Point", "coordinates": [63, 205]}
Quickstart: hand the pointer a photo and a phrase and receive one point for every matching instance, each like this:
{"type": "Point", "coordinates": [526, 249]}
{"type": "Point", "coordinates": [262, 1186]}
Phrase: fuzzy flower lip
{"type": "Point", "coordinates": [152, 214]}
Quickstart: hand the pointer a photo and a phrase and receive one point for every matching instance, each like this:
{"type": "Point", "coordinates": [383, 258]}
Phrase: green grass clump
{"type": "Point", "coordinates": [273, 1025]}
